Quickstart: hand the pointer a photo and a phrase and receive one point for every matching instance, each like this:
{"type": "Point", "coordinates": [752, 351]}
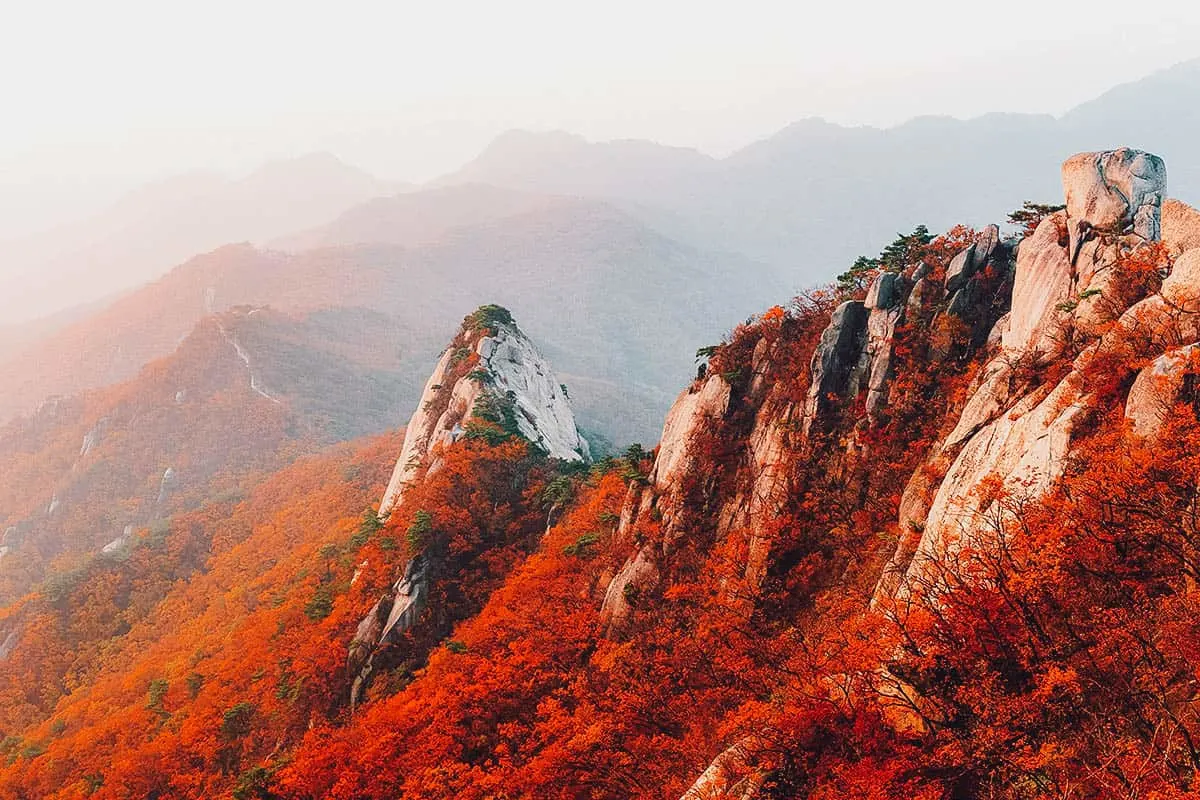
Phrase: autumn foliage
{"type": "Point", "coordinates": [1059, 664]}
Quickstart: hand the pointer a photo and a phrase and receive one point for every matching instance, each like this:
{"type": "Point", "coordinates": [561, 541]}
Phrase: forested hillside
{"type": "Point", "coordinates": [926, 532]}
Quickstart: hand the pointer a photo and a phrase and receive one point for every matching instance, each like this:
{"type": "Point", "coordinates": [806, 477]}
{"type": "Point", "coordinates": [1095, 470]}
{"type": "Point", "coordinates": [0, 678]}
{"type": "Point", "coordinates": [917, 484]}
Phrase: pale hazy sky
{"type": "Point", "coordinates": [101, 96]}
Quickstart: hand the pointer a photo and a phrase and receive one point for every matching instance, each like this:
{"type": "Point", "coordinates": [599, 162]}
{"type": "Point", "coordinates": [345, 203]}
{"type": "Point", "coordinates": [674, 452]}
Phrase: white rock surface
{"type": "Point", "coordinates": [120, 542]}
{"type": "Point", "coordinates": [693, 408]}
{"type": "Point", "coordinates": [515, 369]}
{"type": "Point", "coordinates": [165, 486]}
{"type": "Point", "coordinates": [1025, 448]}
{"type": "Point", "coordinates": [8, 644]}
{"type": "Point", "coordinates": [417, 436]}
{"type": "Point", "coordinates": [736, 774]}
{"type": "Point", "coordinates": [1018, 433]}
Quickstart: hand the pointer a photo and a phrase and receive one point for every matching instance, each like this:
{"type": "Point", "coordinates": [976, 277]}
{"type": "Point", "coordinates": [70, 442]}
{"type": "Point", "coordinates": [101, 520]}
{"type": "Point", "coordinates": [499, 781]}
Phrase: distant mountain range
{"type": "Point", "coordinates": [245, 393]}
{"type": "Point", "coordinates": [816, 195]}
{"type": "Point", "coordinates": [620, 258]}
{"type": "Point", "coordinates": [143, 235]}
{"type": "Point", "coordinates": [618, 307]}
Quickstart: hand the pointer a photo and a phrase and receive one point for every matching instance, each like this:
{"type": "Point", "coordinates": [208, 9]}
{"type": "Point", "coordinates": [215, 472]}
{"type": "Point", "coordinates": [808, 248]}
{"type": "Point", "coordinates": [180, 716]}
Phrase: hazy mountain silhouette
{"type": "Point", "coordinates": [417, 217]}
{"type": "Point", "coordinates": [815, 195]}
{"type": "Point", "coordinates": [617, 307]}
{"type": "Point", "coordinates": [141, 236]}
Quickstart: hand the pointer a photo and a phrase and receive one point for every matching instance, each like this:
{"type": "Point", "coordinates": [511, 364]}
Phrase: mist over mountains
{"type": "Point", "coordinates": [619, 257]}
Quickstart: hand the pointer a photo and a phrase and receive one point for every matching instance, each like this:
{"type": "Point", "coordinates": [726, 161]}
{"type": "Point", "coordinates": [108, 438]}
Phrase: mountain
{"type": "Point", "coordinates": [244, 393]}
{"type": "Point", "coordinates": [928, 535]}
{"type": "Point", "coordinates": [144, 234]}
{"type": "Point", "coordinates": [586, 279]}
{"type": "Point", "coordinates": [418, 217]}
{"type": "Point", "coordinates": [814, 196]}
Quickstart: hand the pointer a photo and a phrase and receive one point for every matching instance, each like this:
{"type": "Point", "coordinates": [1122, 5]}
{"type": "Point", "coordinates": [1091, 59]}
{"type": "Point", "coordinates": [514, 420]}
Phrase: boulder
{"type": "Point", "coordinates": [1168, 380]}
{"type": "Point", "coordinates": [1114, 202]}
{"type": "Point", "coordinates": [888, 290]}
{"type": "Point", "coordinates": [1180, 227]}
{"type": "Point", "coordinates": [1115, 192]}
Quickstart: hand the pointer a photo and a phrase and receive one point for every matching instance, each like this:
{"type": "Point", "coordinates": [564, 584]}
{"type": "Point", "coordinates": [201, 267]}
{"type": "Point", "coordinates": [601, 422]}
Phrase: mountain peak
{"type": "Point", "coordinates": [490, 382]}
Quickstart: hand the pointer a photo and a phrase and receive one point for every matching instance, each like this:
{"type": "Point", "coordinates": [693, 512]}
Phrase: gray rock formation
{"type": "Point", "coordinates": [837, 362]}
{"type": "Point", "coordinates": [885, 302]}
{"type": "Point", "coordinates": [490, 368]}
{"type": "Point", "coordinates": [973, 259]}
{"type": "Point", "coordinates": [1114, 204]}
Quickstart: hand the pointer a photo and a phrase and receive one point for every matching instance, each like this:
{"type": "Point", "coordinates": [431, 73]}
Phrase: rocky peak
{"type": "Point", "coordinates": [492, 372]}
{"type": "Point", "coordinates": [1074, 291]}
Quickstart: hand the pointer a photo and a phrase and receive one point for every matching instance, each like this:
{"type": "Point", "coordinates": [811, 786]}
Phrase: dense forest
{"type": "Point", "coordinates": [927, 532]}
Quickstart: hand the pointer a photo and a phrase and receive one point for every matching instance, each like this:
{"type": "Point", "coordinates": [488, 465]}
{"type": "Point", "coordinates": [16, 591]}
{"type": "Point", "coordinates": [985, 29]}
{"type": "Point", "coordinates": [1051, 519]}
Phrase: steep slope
{"type": "Point", "coordinates": [492, 372]}
{"type": "Point", "coordinates": [245, 392]}
{"type": "Point", "coordinates": [491, 384]}
{"type": "Point", "coordinates": [144, 234]}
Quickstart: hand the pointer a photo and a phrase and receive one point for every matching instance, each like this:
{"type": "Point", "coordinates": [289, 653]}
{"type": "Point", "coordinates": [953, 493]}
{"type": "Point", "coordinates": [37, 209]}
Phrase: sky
{"type": "Point", "coordinates": [102, 97]}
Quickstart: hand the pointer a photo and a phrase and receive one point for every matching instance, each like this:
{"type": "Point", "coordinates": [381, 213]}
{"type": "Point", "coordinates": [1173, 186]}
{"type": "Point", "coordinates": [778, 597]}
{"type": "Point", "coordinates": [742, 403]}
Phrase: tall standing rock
{"type": "Point", "coordinates": [837, 363]}
{"type": "Point", "coordinates": [1114, 206]}
{"type": "Point", "coordinates": [490, 374]}
{"type": "Point", "coordinates": [490, 368]}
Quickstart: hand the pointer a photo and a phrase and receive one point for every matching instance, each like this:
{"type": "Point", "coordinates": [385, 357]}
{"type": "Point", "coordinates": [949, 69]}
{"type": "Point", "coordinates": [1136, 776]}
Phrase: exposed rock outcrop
{"type": "Point", "coordinates": [1114, 205]}
{"type": "Point", "coordinates": [167, 484]}
{"type": "Point", "coordinates": [737, 773]}
{"type": "Point", "coordinates": [662, 496]}
{"type": "Point", "coordinates": [1180, 227]}
{"type": "Point", "coordinates": [838, 363]}
{"type": "Point", "coordinates": [1168, 380]}
{"type": "Point", "coordinates": [1017, 429]}
{"type": "Point", "coordinates": [491, 363]}
{"type": "Point", "coordinates": [885, 302]}
{"type": "Point", "coordinates": [493, 375]}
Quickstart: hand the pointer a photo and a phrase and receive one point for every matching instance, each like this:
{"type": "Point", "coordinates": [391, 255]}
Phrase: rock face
{"type": "Point", "coordinates": [1168, 380]}
{"type": "Point", "coordinates": [838, 362]}
{"type": "Point", "coordinates": [1115, 192]}
{"type": "Point", "coordinates": [1180, 227]}
{"type": "Point", "coordinates": [885, 303]}
{"type": "Point", "coordinates": [696, 407]}
{"type": "Point", "coordinates": [737, 773]}
{"type": "Point", "coordinates": [491, 363]}
{"type": "Point", "coordinates": [1070, 279]}
{"type": "Point", "coordinates": [490, 374]}
{"type": "Point", "coordinates": [1043, 282]}
{"type": "Point", "coordinates": [1114, 206]}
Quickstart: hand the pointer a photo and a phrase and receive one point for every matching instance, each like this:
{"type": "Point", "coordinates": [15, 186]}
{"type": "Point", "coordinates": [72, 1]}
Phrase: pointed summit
{"type": "Point", "coordinates": [490, 381]}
